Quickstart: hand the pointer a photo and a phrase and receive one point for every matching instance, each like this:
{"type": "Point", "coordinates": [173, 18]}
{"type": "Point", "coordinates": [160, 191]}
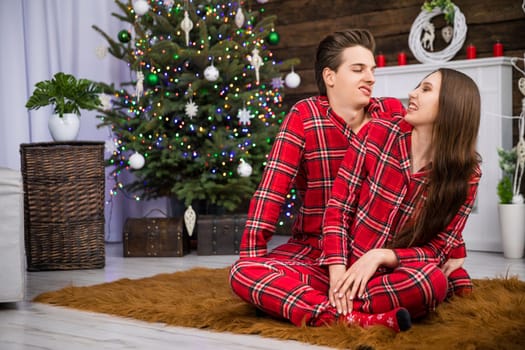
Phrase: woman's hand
{"type": "Point", "coordinates": [353, 282]}
{"type": "Point", "coordinates": [452, 265]}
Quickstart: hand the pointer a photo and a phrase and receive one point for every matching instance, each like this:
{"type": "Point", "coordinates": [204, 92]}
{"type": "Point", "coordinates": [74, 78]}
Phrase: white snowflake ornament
{"type": "Point", "coordinates": [191, 109]}
{"type": "Point", "coordinates": [105, 101]}
{"type": "Point", "coordinates": [244, 116]}
{"type": "Point", "coordinates": [101, 51]}
{"type": "Point", "coordinates": [110, 146]}
{"type": "Point", "coordinates": [277, 83]}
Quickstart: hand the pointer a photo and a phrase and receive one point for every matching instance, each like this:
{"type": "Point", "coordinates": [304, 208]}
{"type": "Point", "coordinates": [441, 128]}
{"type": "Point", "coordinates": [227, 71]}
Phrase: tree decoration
{"type": "Point", "coordinates": [139, 85]}
{"type": "Point", "coordinates": [239, 17]}
{"type": "Point", "coordinates": [152, 79]}
{"type": "Point", "coordinates": [190, 218]}
{"type": "Point", "coordinates": [101, 51]}
{"type": "Point", "coordinates": [422, 35]}
{"type": "Point", "coordinates": [105, 101]}
{"type": "Point", "coordinates": [273, 37]}
{"type": "Point", "coordinates": [277, 83]}
{"type": "Point", "coordinates": [141, 7]}
{"type": "Point", "coordinates": [186, 25]}
{"type": "Point", "coordinates": [136, 161]}
{"type": "Point", "coordinates": [211, 73]}
{"type": "Point", "coordinates": [256, 61]}
{"type": "Point", "coordinates": [124, 36]}
{"type": "Point", "coordinates": [244, 115]}
{"type": "Point", "coordinates": [191, 109]}
{"type": "Point", "coordinates": [244, 169]}
{"type": "Point", "coordinates": [110, 146]}
{"type": "Point", "coordinates": [292, 79]}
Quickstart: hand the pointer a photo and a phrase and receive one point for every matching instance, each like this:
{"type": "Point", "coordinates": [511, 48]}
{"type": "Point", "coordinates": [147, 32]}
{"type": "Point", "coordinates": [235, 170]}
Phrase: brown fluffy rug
{"type": "Point", "coordinates": [493, 317]}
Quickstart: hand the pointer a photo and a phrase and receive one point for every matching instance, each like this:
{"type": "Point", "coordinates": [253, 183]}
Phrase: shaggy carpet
{"type": "Point", "coordinates": [493, 317]}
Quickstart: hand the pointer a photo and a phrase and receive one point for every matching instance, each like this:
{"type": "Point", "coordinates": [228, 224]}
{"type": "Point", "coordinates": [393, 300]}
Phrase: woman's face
{"type": "Point", "coordinates": [423, 101]}
{"type": "Point", "coordinates": [352, 83]}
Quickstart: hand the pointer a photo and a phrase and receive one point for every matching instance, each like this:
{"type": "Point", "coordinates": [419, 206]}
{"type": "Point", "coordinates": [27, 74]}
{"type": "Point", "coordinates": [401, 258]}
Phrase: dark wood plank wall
{"type": "Point", "coordinates": [303, 23]}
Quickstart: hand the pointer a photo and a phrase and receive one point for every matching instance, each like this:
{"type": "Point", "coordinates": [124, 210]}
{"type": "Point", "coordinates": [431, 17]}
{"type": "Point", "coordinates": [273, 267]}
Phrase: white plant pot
{"type": "Point", "coordinates": [65, 128]}
{"type": "Point", "coordinates": [512, 225]}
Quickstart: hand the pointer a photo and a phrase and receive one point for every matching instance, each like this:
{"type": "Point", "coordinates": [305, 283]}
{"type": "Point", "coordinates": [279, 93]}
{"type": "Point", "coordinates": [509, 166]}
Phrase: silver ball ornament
{"type": "Point", "coordinates": [244, 169]}
{"type": "Point", "coordinates": [140, 7]}
{"type": "Point", "coordinates": [211, 73]}
{"type": "Point", "coordinates": [136, 161]}
{"type": "Point", "coordinates": [292, 80]}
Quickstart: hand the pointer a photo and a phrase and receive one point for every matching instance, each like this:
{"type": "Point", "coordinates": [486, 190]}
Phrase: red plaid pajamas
{"type": "Point", "coordinates": [297, 290]}
{"type": "Point", "coordinates": [374, 195]}
{"type": "Point", "coordinates": [306, 154]}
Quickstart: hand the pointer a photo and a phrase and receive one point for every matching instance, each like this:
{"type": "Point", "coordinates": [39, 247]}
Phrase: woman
{"type": "Point", "coordinates": [401, 201]}
{"type": "Point", "coordinates": [295, 290]}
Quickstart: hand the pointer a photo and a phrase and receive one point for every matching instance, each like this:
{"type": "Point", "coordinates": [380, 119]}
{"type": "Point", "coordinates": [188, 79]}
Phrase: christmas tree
{"type": "Point", "coordinates": [197, 119]}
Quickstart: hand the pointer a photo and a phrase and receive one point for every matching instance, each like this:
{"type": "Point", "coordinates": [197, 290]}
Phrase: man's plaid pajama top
{"type": "Point", "coordinates": [306, 154]}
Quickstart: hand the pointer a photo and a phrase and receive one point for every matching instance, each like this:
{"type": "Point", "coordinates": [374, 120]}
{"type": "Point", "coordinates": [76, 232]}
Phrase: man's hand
{"type": "Point", "coordinates": [336, 274]}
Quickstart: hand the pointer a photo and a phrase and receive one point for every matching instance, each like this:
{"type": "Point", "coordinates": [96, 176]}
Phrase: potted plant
{"type": "Point", "coordinates": [511, 206]}
{"type": "Point", "coordinates": [68, 96]}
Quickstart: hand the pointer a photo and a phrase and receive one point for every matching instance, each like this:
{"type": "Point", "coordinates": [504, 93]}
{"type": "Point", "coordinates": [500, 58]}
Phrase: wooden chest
{"type": "Point", "coordinates": [155, 237]}
{"type": "Point", "coordinates": [220, 234]}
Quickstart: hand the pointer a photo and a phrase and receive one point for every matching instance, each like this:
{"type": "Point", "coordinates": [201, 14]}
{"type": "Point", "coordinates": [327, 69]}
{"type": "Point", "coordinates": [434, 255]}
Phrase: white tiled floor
{"type": "Point", "coordinates": [25, 325]}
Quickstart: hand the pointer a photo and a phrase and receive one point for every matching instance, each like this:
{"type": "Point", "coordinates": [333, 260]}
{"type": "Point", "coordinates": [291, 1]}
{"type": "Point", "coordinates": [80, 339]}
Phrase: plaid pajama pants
{"type": "Point", "coordinates": [459, 282]}
{"type": "Point", "coordinates": [297, 290]}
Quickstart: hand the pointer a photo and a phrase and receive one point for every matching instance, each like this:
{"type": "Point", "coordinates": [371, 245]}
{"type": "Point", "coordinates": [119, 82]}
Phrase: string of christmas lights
{"type": "Point", "coordinates": [195, 113]}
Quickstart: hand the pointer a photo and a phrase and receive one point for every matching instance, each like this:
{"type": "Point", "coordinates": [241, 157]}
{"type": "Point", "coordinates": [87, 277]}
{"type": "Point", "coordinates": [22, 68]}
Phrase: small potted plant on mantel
{"type": "Point", "coordinates": [511, 206]}
{"type": "Point", "coordinates": [68, 96]}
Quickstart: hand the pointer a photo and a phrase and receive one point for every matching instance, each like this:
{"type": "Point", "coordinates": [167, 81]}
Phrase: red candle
{"type": "Point", "coordinates": [497, 49]}
{"type": "Point", "coordinates": [380, 60]}
{"type": "Point", "coordinates": [471, 52]}
{"type": "Point", "coordinates": [401, 58]}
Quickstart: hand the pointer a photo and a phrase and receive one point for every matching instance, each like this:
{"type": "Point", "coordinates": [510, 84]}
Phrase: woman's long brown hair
{"type": "Point", "coordinates": [454, 158]}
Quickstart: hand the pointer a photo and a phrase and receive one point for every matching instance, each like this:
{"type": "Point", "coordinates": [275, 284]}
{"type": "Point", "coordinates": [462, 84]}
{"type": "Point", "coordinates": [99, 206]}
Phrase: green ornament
{"type": "Point", "coordinates": [273, 38]}
{"type": "Point", "coordinates": [152, 79]}
{"type": "Point", "coordinates": [124, 36]}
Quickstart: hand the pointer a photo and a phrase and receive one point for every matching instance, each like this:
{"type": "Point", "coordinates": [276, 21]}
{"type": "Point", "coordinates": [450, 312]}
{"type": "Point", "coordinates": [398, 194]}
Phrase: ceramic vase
{"type": "Point", "coordinates": [512, 226]}
{"type": "Point", "coordinates": [64, 128]}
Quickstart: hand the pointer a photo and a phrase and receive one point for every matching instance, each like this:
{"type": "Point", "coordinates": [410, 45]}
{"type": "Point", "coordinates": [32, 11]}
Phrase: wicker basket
{"type": "Point", "coordinates": [64, 186]}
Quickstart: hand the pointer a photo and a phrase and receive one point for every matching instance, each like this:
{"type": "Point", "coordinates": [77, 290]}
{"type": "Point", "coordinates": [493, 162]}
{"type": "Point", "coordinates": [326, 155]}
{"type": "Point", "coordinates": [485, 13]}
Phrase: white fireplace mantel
{"type": "Point", "coordinates": [494, 79]}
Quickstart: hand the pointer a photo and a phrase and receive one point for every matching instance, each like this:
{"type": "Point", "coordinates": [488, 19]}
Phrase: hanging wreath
{"type": "Point", "coordinates": [421, 38]}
